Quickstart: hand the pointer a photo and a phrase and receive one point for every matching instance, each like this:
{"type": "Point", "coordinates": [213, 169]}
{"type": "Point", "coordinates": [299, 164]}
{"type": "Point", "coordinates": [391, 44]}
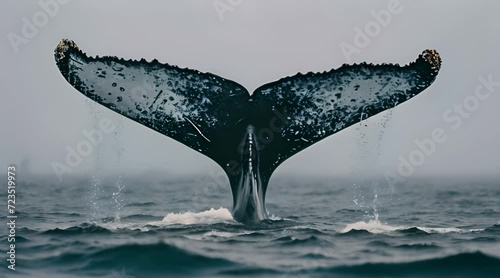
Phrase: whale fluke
{"type": "Point", "coordinates": [248, 136]}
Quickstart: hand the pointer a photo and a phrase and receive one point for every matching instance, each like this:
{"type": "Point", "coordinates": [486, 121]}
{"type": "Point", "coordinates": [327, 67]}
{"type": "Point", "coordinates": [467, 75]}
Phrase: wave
{"type": "Point", "coordinates": [142, 260]}
{"type": "Point", "coordinates": [222, 216]}
{"type": "Point", "coordinates": [172, 221]}
{"type": "Point", "coordinates": [418, 246]}
{"type": "Point", "coordinates": [414, 231]}
{"type": "Point", "coordinates": [377, 227]}
{"type": "Point", "coordinates": [355, 232]}
{"type": "Point", "coordinates": [141, 204]}
{"type": "Point", "coordinates": [372, 226]}
{"type": "Point", "coordinates": [144, 223]}
{"type": "Point", "coordinates": [139, 217]}
{"type": "Point", "coordinates": [483, 239]}
{"type": "Point", "coordinates": [291, 240]}
{"type": "Point", "coordinates": [459, 265]}
{"type": "Point", "coordinates": [85, 228]}
{"type": "Point", "coordinates": [494, 229]}
{"type": "Point", "coordinates": [211, 216]}
{"type": "Point", "coordinates": [215, 235]}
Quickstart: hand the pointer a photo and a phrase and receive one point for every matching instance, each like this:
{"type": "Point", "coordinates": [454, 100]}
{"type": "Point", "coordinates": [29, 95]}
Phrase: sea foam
{"type": "Point", "coordinates": [205, 217]}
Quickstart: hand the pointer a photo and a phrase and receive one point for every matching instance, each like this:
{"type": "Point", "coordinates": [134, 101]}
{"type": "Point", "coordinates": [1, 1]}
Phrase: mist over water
{"type": "Point", "coordinates": [150, 227]}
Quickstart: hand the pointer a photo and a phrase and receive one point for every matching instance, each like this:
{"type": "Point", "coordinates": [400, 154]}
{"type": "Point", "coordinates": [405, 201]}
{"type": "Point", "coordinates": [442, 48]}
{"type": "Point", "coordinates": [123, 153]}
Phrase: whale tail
{"type": "Point", "coordinates": [213, 115]}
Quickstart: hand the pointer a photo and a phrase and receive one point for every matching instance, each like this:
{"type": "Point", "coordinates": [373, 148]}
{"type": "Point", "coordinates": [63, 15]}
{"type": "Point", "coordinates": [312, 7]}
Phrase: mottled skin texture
{"type": "Point", "coordinates": [248, 136]}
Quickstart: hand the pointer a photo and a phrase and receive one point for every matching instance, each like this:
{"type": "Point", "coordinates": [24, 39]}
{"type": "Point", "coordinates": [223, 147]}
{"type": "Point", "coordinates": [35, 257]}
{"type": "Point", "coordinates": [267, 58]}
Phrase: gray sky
{"type": "Point", "coordinates": [255, 43]}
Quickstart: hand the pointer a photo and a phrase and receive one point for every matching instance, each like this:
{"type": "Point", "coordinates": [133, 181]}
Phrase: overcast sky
{"type": "Point", "coordinates": [254, 43]}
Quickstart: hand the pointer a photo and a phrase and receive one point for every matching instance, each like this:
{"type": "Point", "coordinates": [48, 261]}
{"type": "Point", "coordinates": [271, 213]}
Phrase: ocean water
{"type": "Point", "coordinates": [320, 227]}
